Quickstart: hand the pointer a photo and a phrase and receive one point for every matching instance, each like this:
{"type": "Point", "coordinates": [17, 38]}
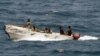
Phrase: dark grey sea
{"type": "Point", "coordinates": [82, 15]}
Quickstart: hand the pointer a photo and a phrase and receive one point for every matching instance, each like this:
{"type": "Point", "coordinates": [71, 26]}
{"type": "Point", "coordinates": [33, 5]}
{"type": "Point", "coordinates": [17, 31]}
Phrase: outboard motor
{"type": "Point", "coordinates": [76, 36]}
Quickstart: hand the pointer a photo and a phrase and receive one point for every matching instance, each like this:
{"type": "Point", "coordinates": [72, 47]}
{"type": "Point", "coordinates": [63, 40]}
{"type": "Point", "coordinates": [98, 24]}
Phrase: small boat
{"type": "Point", "coordinates": [20, 33]}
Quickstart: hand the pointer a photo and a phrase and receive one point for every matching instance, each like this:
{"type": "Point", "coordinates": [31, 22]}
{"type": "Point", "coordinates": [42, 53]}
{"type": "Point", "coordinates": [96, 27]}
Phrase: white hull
{"type": "Point", "coordinates": [19, 33]}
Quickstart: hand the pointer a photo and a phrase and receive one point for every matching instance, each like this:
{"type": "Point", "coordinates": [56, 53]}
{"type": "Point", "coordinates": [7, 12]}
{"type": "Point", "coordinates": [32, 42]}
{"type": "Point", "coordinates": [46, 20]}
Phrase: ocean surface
{"type": "Point", "coordinates": [82, 15]}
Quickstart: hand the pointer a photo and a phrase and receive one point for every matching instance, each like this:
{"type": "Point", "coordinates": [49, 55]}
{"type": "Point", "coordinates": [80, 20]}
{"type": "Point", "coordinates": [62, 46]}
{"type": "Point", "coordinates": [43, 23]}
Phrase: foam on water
{"type": "Point", "coordinates": [86, 37]}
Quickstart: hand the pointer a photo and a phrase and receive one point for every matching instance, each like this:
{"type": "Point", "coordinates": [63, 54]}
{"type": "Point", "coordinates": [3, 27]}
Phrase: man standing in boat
{"type": "Point", "coordinates": [28, 24]}
{"type": "Point", "coordinates": [61, 31]}
{"type": "Point", "coordinates": [69, 31]}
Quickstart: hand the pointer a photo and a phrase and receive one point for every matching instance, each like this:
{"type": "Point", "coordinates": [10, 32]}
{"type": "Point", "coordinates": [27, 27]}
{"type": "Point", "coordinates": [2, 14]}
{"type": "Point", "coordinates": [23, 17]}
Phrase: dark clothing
{"type": "Point", "coordinates": [61, 31]}
{"type": "Point", "coordinates": [33, 28]}
{"type": "Point", "coordinates": [69, 32]}
{"type": "Point", "coordinates": [48, 30]}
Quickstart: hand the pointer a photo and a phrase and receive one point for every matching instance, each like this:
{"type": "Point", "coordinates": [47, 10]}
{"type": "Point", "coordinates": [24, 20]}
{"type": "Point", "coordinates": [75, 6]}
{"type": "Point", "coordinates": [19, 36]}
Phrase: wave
{"type": "Point", "coordinates": [75, 51]}
{"type": "Point", "coordinates": [86, 37]}
{"type": "Point", "coordinates": [6, 10]}
{"type": "Point", "coordinates": [6, 3]}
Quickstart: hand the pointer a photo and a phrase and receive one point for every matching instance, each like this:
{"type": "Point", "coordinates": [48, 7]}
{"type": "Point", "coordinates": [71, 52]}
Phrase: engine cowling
{"type": "Point", "coordinates": [76, 36]}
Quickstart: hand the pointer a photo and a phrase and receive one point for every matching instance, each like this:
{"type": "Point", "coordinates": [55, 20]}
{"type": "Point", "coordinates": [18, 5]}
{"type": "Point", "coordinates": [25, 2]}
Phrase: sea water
{"type": "Point", "coordinates": [82, 15]}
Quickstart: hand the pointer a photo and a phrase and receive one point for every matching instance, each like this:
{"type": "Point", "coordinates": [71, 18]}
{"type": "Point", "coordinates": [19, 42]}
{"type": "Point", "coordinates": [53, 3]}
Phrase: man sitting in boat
{"type": "Point", "coordinates": [27, 24]}
{"type": "Point", "coordinates": [69, 31]}
{"type": "Point", "coordinates": [34, 28]}
{"type": "Point", "coordinates": [61, 31]}
{"type": "Point", "coordinates": [47, 30]}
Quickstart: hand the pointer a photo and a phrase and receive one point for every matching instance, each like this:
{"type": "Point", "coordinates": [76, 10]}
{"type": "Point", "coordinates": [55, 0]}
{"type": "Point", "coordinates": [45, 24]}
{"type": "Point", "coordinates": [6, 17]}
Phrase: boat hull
{"type": "Point", "coordinates": [17, 33]}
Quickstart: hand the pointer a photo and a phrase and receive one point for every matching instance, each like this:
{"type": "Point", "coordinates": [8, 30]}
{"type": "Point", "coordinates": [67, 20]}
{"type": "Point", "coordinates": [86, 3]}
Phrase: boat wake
{"type": "Point", "coordinates": [86, 37]}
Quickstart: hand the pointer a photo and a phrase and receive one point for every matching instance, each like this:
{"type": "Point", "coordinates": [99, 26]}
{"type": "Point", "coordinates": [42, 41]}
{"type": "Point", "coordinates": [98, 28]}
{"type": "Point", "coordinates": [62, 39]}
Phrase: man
{"type": "Point", "coordinates": [27, 24]}
{"type": "Point", "coordinates": [34, 28]}
{"type": "Point", "coordinates": [47, 30]}
{"type": "Point", "coordinates": [61, 31]}
{"type": "Point", "coordinates": [69, 31]}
